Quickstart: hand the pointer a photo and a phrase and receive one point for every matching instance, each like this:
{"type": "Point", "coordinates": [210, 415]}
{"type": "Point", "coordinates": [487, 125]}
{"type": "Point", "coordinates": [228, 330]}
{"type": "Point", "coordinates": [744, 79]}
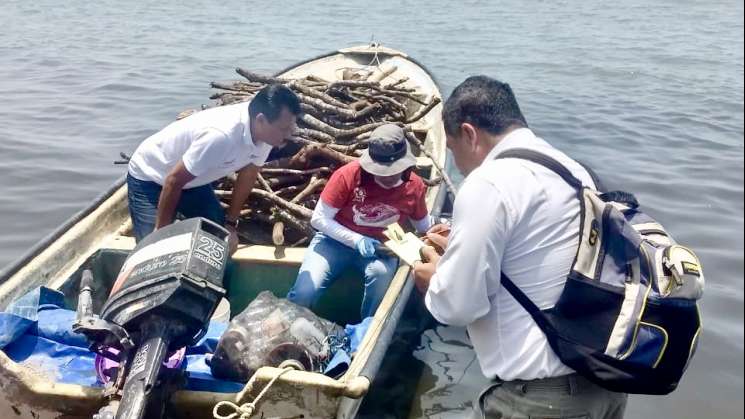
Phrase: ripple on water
{"type": "Point", "coordinates": [650, 94]}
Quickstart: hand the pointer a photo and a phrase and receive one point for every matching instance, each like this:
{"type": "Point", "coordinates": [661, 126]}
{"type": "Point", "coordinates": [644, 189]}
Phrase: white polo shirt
{"type": "Point", "coordinates": [514, 216]}
{"type": "Point", "coordinates": [212, 143]}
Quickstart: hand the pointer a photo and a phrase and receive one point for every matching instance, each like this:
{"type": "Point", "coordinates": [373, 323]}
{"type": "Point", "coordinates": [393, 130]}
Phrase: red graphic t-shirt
{"type": "Point", "coordinates": [368, 208]}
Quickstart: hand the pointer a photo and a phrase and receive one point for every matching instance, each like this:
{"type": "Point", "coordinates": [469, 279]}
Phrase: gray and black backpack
{"type": "Point", "coordinates": [628, 317]}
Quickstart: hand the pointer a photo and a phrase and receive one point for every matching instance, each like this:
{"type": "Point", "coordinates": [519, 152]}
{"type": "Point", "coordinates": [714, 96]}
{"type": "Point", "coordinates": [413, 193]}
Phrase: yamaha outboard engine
{"type": "Point", "coordinates": [163, 298]}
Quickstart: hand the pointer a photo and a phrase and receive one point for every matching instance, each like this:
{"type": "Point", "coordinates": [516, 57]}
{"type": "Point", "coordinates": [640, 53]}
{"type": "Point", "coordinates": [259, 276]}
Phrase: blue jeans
{"type": "Point", "coordinates": [326, 259]}
{"type": "Point", "coordinates": [143, 199]}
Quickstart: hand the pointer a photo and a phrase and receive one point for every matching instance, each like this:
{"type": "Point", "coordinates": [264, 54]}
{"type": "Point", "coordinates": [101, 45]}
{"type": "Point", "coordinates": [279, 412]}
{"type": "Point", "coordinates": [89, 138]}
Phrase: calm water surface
{"type": "Point", "coordinates": [650, 92]}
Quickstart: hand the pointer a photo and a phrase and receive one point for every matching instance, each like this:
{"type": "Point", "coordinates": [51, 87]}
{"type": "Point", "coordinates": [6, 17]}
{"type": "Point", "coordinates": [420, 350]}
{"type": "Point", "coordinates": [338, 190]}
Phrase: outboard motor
{"type": "Point", "coordinates": [162, 300]}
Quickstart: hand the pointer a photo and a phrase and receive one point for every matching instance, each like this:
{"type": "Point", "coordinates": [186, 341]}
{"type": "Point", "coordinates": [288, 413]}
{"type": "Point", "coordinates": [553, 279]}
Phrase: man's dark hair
{"type": "Point", "coordinates": [271, 99]}
{"type": "Point", "coordinates": [486, 103]}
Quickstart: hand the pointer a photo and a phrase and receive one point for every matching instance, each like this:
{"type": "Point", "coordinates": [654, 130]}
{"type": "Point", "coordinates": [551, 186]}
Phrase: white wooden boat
{"type": "Point", "coordinates": [99, 236]}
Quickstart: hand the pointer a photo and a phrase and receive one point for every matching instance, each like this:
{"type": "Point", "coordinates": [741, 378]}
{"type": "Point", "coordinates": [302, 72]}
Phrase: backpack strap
{"type": "Point", "coordinates": [548, 162]}
{"type": "Point", "coordinates": [599, 185]}
{"type": "Point", "coordinates": [620, 196]}
{"type": "Point", "coordinates": [558, 168]}
{"type": "Point", "coordinates": [526, 303]}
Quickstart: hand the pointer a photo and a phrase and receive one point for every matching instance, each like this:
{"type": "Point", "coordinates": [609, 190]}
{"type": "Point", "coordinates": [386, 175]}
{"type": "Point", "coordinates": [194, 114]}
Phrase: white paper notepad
{"type": "Point", "coordinates": [405, 245]}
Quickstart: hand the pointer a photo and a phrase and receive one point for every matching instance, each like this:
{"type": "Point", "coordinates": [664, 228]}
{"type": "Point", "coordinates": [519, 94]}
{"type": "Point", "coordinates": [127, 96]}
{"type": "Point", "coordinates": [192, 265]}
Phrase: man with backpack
{"type": "Point", "coordinates": [517, 218]}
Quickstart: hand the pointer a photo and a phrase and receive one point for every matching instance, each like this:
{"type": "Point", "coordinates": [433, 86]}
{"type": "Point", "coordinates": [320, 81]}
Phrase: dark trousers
{"type": "Point", "coordinates": [567, 397]}
{"type": "Point", "coordinates": [143, 199]}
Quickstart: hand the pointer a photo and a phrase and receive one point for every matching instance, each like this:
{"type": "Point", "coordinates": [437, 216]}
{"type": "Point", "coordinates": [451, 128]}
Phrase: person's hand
{"type": "Point", "coordinates": [437, 237]}
{"type": "Point", "coordinates": [425, 270]}
{"type": "Point", "coordinates": [366, 246]}
{"type": "Point", "coordinates": [440, 228]}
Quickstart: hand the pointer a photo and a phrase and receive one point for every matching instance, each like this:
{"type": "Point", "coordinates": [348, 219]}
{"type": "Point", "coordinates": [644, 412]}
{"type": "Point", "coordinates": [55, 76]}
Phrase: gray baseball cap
{"type": "Point", "coordinates": [388, 152]}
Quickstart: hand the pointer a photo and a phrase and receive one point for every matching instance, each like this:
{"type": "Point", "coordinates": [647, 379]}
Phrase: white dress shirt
{"type": "Point", "coordinates": [514, 216]}
{"type": "Point", "coordinates": [212, 143]}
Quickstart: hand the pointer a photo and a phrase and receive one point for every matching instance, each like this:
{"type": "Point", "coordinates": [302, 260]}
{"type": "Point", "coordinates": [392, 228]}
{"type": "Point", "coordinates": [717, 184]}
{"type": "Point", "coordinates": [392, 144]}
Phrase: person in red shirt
{"type": "Point", "coordinates": [360, 200]}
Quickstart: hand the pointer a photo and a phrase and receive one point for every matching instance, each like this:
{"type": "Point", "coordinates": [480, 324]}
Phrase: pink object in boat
{"type": "Point", "coordinates": [106, 367]}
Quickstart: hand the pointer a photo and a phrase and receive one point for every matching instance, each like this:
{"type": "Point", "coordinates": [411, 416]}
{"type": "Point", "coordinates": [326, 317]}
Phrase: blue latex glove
{"type": "Point", "coordinates": [366, 246]}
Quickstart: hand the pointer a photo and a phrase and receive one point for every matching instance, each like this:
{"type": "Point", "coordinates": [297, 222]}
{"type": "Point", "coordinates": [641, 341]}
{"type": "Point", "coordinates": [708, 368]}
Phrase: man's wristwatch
{"type": "Point", "coordinates": [233, 224]}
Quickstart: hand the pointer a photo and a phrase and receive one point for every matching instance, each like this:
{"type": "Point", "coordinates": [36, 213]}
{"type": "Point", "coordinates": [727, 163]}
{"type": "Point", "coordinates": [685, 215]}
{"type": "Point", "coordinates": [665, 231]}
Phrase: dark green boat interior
{"type": "Point", "coordinates": [243, 281]}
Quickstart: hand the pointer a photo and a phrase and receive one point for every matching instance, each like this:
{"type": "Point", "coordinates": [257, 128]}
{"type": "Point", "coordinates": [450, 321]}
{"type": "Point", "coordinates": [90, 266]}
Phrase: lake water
{"type": "Point", "coordinates": [649, 92]}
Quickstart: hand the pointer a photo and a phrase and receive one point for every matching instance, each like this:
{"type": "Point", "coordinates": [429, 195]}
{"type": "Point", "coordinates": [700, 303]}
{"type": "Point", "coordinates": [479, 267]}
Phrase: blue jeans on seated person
{"type": "Point", "coordinates": [326, 259]}
{"type": "Point", "coordinates": [143, 199]}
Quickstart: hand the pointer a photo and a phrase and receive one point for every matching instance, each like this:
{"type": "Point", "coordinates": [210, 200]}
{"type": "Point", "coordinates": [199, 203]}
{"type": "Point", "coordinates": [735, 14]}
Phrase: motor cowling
{"type": "Point", "coordinates": [175, 273]}
{"type": "Point", "coordinates": [162, 300]}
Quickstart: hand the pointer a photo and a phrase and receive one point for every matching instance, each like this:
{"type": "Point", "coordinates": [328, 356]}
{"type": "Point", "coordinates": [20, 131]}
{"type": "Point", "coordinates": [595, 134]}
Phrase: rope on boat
{"type": "Point", "coordinates": [246, 410]}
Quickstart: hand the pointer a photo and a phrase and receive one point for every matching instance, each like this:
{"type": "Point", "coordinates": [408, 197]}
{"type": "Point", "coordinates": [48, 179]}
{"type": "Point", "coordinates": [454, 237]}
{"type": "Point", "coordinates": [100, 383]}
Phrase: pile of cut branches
{"type": "Point", "coordinates": [338, 117]}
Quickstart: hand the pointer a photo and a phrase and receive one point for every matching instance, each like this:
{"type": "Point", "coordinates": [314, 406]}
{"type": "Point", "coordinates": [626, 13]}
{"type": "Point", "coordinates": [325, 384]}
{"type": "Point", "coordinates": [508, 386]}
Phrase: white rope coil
{"type": "Point", "coordinates": [246, 410]}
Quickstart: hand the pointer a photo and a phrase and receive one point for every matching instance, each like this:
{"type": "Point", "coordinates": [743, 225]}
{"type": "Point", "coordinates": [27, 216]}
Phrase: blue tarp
{"type": "Point", "coordinates": [342, 354]}
{"type": "Point", "coordinates": [36, 331]}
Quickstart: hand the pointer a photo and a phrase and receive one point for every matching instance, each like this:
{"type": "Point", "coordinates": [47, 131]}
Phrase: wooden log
{"type": "Point", "coordinates": [359, 104]}
{"type": "Point", "coordinates": [238, 86]}
{"type": "Point", "coordinates": [314, 184]}
{"type": "Point", "coordinates": [381, 99]}
{"type": "Point", "coordinates": [397, 83]}
{"type": "Point", "coordinates": [274, 183]}
{"type": "Point", "coordinates": [380, 74]}
{"type": "Point", "coordinates": [290, 190]}
{"type": "Point", "coordinates": [278, 233]}
{"type": "Point", "coordinates": [285, 180]}
{"type": "Point", "coordinates": [319, 107]}
{"type": "Point", "coordinates": [313, 93]}
{"type": "Point", "coordinates": [387, 99]}
{"type": "Point", "coordinates": [303, 227]}
{"type": "Point", "coordinates": [375, 86]}
{"type": "Point", "coordinates": [342, 94]}
{"type": "Point", "coordinates": [344, 149]}
{"type": "Point", "coordinates": [264, 184]}
{"type": "Point", "coordinates": [309, 152]}
{"type": "Point", "coordinates": [423, 111]}
{"type": "Point", "coordinates": [299, 210]}
{"type": "Point", "coordinates": [336, 132]}
{"type": "Point", "coordinates": [229, 99]}
{"type": "Point", "coordinates": [446, 178]}
{"type": "Point", "coordinates": [315, 134]}
{"type": "Point", "coordinates": [283, 171]}
{"type": "Point", "coordinates": [283, 162]}
{"type": "Point", "coordinates": [312, 110]}
{"type": "Point", "coordinates": [258, 78]}
{"type": "Point", "coordinates": [314, 78]}
{"type": "Point", "coordinates": [231, 96]}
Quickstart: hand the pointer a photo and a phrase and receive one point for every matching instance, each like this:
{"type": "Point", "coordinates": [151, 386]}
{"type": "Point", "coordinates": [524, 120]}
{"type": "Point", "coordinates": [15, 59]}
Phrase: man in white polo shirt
{"type": "Point", "coordinates": [516, 217]}
{"type": "Point", "coordinates": [173, 170]}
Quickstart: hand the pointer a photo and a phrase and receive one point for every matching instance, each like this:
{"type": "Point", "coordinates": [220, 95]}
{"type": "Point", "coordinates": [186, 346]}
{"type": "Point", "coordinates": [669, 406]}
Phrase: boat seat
{"type": "Point", "coordinates": [246, 252]}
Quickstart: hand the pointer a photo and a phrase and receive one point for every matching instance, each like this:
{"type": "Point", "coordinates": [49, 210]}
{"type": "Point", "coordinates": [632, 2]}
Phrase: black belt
{"type": "Point", "coordinates": [567, 384]}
